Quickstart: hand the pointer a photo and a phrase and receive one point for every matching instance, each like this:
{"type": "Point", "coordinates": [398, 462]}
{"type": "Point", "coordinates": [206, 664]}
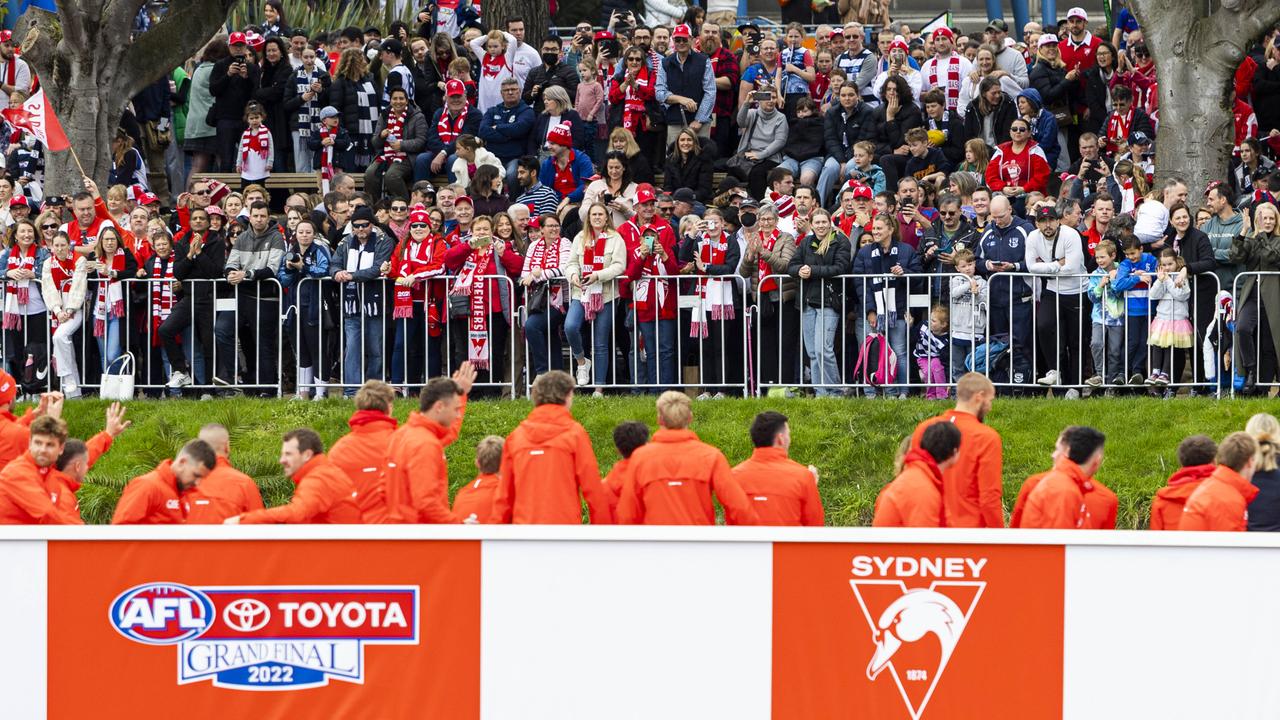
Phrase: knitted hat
{"type": "Point", "coordinates": [217, 191]}
{"type": "Point", "coordinates": [944, 31]}
{"type": "Point", "coordinates": [561, 134]}
{"type": "Point", "coordinates": [419, 214]}
{"type": "Point", "coordinates": [899, 43]}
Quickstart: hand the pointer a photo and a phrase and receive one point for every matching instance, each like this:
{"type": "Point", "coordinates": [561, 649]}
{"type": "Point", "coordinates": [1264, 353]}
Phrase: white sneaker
{"type": "Point", "coordinates": [598, 393]}
{"type": "Point", "coordinates": [1095, 381]}
{"type": "Point", "coordinates": [718, 396]}
{"type": "Point", "coordinates": [704, 396]}
{"type": "Point", "coordinates": [179, 379]}
{"type": "Point", "coordinates": [583, 376]}
{"type": "Point", "coordinates": [1073, 394]}
{"type": "Point", "coordinates": [1050, 378]}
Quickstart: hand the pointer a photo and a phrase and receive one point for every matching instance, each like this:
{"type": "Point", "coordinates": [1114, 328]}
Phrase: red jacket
{"type": "Point", "coordinates": [511, 265]}
{"type": "Point", "coordinates": [972, 487]}
{"type": "Point", "coordinates": [546, 462]}
{"type": "Point", "coordinates": [782, 491]}
{"type": "Point", "coordinates": [25, 498]}
{"type": "Point", "coordinates": [671, 482]}
{"type": "Point", "coordinates": [324, 494]}
{"type": "Point", "coordinates": [1028, 169]}
{"type": "Point", "coordinates": [914, 498]}
{"type": "Point", "coordinates": [224, 493]}
{"type": "Point", "coordinates": [476, 498]}
{"type": "Point", "coordinates": [1220, 503]}
{"type": "Point", "coordinates": [62, 487]}
{"type": "Point", "coordinates": [1167, 505]}
{"type": "Point", "coordinates": [417, 473]}
{"type": "Point", "coordinates": [15, 435]}
{"type": "Point", "coordinates": [362, 455]}
{"type": "Point", "coordinates": [649, 296]}
{"type": "Point", "coordinates": [151, 499]}
{"type": "Point", "coordinates": [1101, 501]}
{"type": "Point", "coordinates": [1058, 500]}
{"type": "Point", "coordinates": [614, 481]}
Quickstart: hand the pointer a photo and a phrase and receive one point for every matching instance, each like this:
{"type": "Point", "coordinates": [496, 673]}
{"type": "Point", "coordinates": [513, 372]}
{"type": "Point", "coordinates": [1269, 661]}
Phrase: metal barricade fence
{"type": "Point", "coordinates": [704, 345]}
{"type": "Point", "coordinates": [346, 333]}
{"type": "Point", "coordinates": [1256, 349]}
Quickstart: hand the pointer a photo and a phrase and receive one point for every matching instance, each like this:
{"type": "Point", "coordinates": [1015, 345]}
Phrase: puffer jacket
{"type": "Point", "coordinates": [820, 290]}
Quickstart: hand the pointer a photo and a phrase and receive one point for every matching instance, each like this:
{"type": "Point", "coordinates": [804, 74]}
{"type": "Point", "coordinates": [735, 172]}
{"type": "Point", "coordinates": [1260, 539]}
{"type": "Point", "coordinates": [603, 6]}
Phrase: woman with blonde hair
{"type": "Point", "coordinates": [556, 108]}
{"type": "Point", "coordinates": [597, 258]}
{"type": "Point", "coordinates": [357, 101]}
{"type": "Point", "coordinates": [1258, 297]}
{"type": "Point", "coordinates": [48, 223]}
{"type": "Point", "coordinates": [1264, 511]}
{"type": "Point", "coordinates": [623, 141]}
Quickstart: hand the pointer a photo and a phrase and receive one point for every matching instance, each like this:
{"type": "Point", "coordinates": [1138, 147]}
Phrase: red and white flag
{"type": "Point", "coordinates": [38, 118]}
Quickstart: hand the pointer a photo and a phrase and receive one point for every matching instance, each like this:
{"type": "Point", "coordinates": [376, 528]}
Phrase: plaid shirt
{"type": "Point", "coordinates": [725, 65]}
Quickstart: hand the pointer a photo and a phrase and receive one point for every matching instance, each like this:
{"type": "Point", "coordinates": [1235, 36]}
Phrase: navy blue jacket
{"type": "Point", "coordinates": [1264, 511]}
{"type": "Point", "coordinates": [1005, 245]}
{"type": "Point", "coordinates": [505, 130]}
{"type": "Point", "coordinates": [873, 260]}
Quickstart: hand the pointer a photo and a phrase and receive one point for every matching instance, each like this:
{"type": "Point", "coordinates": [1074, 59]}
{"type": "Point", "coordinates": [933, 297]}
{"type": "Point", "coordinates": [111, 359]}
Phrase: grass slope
{"type": "Point", "coordinates": [851, 441]}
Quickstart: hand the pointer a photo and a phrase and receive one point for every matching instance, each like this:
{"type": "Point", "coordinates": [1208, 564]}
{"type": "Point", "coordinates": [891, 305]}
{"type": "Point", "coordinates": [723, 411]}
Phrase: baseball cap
{"type": "Point", "coordinates": [391, 45]}
{"type": "Point", "coordinates": [1046, 212]}
{"type": "Point", "coordinates": [863, 192]}
{"type": "Point", "coordinates": [645, 194]}
{"type": "Point", "coordinates": [216, 210]}
{"type": "Point", "coordinates": [998, 25]}
{"type": "Point", "coordinates": [455, 87]}
{"type": "Point", "coordinates": [6, 36]}
{"type": "Point", "coordinates": [464, 199]}
{"type": "Point", "coordinates": [1078, 12]}
{"type": "Point", "coordinates": [680, 31]}
{"type": "Point", "coordinates": [328, 111]}
{"type": "Point", "coordinates": [837, 30]}
{"type": "Point", "coordinates": [237, 38]}
{"type": "Point", "coordinates": [18, 200]}
{"type": "Point", "coordinates": [1047, 39]}
{"type": "Point", "coordinates": [8, 387]}
{"type": "Point", "coordinates": [1139, 138]}
{"type": "Point", "coordinates": [748, 203]}
{"type": "Point", "coordinates": [684, 195]}
{"type": "Point", "coordinates": [148, 198]}
{"type": "Point", "coordinates": [603, 35]}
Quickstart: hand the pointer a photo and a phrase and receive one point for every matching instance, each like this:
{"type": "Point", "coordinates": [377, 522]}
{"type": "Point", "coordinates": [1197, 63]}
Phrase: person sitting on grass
{"type": "Point", "coordinates": [1221, 502]}
{"type": "Point", "coordinates": [1195, 460]}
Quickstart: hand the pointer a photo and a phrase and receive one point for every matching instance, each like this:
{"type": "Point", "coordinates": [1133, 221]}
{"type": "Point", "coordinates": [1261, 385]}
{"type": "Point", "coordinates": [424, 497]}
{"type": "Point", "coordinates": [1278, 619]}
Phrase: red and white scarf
{"type": "Point", "coordinates": [546, 259]}
{"type": "Point", "coordinates": [633, 117]}
{"type": "Point", "coordinates": [11, 72]}
{"type": "Point", "coordinates": [952, 86]}
{"type": "Point", "coordinates": [414, 259]}
{"type": "Point", "coordinates": [1118, 128]}
{"type": "Point", "coordinates": [449, 130]}
{"type": "Point", "coordinates": [819, 87]}
{"type": "Point", "coordinates": [63, 273]}
{"type": "Point", "coordinates": [17, 293]}
{"type": "Point", "coordinates": [767, 242]}
{"type": "Point", "coordinates": [650, 294]}
{"type": "Point", "coordinates": [471, 282]}
{"type": "Point", "coordinates": [593, 257]}
{"type": "Point", "coordinates": [161, 294]}
{"type": "Point", "coordinates": [491, 67]}
{"type": "Point", "coordinates": [110, 302]}
{"type": "Point", "coordinates": [326, 156]}
{"type": "Point", "coordinates": [714, 294]}
{"type": "Point", "coordinates": [252, 141]}
{"type": "Point", "coordinates": [395, 131]}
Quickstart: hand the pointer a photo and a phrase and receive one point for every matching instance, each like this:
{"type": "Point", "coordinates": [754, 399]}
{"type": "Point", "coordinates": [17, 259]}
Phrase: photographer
{"type": "Point", "coordinates": [764, 135]}
{"type": "Point", "coordinates": [232, 84]}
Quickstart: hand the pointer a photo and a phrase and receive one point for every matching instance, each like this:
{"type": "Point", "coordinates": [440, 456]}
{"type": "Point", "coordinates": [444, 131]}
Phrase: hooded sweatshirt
{"type": "Point", "coordinates": [225, 492]}
{"type": "Point", "coordinates": [1058, 499]}
{"type": "Point", "coordinates": [672, 480]}
{"type": "Point", "coordinates": [417, 474]}
{"type": "Point", "coordinates": [782, 491]}
{"type": "Point", "coordinates": [1102, 504]}
{"type": "Point", "coordinates": [24, 495]}
{"type": "Point", "coordinates": [1221, 502]}
{"type": "Point", "coordinates": [914, 498]}
{"type": "Point", "coordinates": [1166, 507]}
{"type": "Point", "coordinates": [1044, 128]}
{"type": "Point", "coordinates": [546, 462]}
{"type": "Point", "coordinates": [362, 455]}
{"type": "Point", "coordinates": [476, 498]}
{"type": "Point", "coordinates": [258, 256]}
{"type": "Point", "coordinates": [324, 494]}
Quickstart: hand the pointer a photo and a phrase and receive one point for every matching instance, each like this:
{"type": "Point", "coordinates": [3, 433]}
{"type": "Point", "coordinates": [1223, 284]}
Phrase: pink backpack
{"type": "Point", "coordinates": [877, 362]}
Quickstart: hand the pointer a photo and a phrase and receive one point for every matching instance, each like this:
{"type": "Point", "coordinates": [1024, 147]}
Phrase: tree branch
{"type": "Point", "coordinates": [1228, 34]}
{"type": "Point", "coordinates": [40, 33]}
{"type": "Point", "coordinates": [184, 29]}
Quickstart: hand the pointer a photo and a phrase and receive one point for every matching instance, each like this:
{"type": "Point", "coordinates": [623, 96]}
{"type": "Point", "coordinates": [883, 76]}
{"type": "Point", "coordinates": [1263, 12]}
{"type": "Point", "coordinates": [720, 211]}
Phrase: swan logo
{"type": "Point", "coordinates": [915, 631]}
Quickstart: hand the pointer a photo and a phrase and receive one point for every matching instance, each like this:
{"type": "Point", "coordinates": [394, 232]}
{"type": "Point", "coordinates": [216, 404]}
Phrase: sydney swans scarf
{"type": "Point", "coordinates": [17, 293]}
{"type": "Point", "coordinates": [714, 295]}
{"type": "Point", "coordinates": [110, 301]}
{"type": "Point", "coordinates": [471, 281]}
{"type": "Point", "coordinates": [161, 294]}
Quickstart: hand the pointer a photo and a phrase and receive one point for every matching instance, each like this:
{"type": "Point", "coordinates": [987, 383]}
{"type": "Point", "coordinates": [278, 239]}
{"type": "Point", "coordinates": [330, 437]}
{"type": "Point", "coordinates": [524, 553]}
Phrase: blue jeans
{"type": "Point", "coordinates": [542, 333]}
{"type": "Point", "coordinates": [818, 326]}
{"type": "Point", "coordinates": [800, 167]}
{"type": "Point", "coordinates": [827, 178]}
{"type": "Point", "coordinates": [363, 358]}
{"type": "Point", "coordinates": [422, 166]}
{"type": "Point", "coordinates": [110, 343]}
{"type": "Point", "coordinates": [897, 334]}
{"type": "Point", "coordinates": [601, 333]}
{"type": "Point", "coordinates": [660, 353]}
{"type": "Point", "coordinates": [224, 333]}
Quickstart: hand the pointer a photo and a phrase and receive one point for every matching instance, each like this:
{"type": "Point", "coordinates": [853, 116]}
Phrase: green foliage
{"type": "Point", "coordinates": [851, 441]}
{"type": "Point", "coordinates": [325, 15]}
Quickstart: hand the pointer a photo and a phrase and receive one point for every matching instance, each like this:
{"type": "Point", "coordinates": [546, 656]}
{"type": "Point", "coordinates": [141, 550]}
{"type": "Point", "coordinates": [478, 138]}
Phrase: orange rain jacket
{"type": "Point", "coordinates": [614, 481]}
{"type": "Point", "coordinates": [476, 498]}
{"type": "Point", "coordinates": [1220, 503]}
{"type": "Point", "coordinates": [324, 494]}
{"type": "Point", "coordinates": [671, 480]}
{"type": "Point", "coordinates": [25, 498]}
{"type": "Point", "coordinates": [546, 461]}
{"type": "Point", "coordinates": [62, 487]}
{"type": "Point", "coordinates": [15, 435]}
{"type": "Point", "coordinates": [151, 499]}
{"type": "Point", "coordinates": [225, 492]}
{"type": "Point", "coordinates": [1167, 505]}
{"type": "Point", "coordinates": [782, 491]}
{"type": "Point", "coordinates": [1102, 501]}
{"type": "Point", "coordinates": [1058, 500]}
{"type": "Point", "coordinates": [417, 472]}
{"type": "Point", "coordinates": [914, 498]}
{"type": "Point", "coordinates": [362, 455]}
{"type": "Point", "coordinates": [972, 486]}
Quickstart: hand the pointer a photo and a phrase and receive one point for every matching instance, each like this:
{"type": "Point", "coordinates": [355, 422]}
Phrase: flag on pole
{"type": "Point", "coordinates": [943, 20]}
{"type": "Point", "coordinates": [36, 117]}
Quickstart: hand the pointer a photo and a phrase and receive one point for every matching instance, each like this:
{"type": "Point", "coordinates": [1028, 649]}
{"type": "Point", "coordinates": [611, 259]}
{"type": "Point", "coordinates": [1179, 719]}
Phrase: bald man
{"type": "Point", "coordinates": [225, 492]}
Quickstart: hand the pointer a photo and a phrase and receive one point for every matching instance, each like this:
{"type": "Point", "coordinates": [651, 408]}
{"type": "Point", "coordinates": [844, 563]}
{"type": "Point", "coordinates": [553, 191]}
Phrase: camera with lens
{"type": "Point", "coordinates": [292, 257]}
{"type": "Point", "coordinates": [753, 43]}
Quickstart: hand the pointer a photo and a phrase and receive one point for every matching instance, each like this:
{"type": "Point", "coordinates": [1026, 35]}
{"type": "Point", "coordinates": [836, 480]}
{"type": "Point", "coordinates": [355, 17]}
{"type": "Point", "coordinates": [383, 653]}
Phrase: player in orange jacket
{"type": "Point", "coordinates": [782, 491]}
{"type": "Point", "coordinates": [77, 457]}
{"type": "Point", "coordinates": [225, 492]}
{"type": "Point", "coordinates": [973, 486]}
{"type": "Point", "coordinates": [14, 431]}
{"type": "Point", "coordinates": [1102, 502]}
{"type": "Point", "coordinates": [324, 494]}
{"type": "Point", "coordinates": [1058, 501]}
{"type": "Point", "coordinates": [547, 461]}
{"type": "Point", "coordinates": [1222, 500]}
{"type": "Point", "coordinates": [914, 498]}
{"type": "Point", "coordinates": [1195, 458]}
{"type": "Point", "coordinates": [672, 478]}
{"type": "Point", "coordinates": [25, 498]}
{"type": "Point", "coordinates": [474, 501]}
{"type": "Point", "coordinates": [155, 498]}
{"type": "Point", "coordinates": [627, 437]}
{"type": "Point", "coordinates": [362, 453]}
{"type": "Point", "coordinates": [417, 473]}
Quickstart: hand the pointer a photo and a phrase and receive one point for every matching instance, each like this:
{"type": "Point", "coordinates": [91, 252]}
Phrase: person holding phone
{"type": "Point", "coordinates": [654, 299]}
{"type": "Point", "coordinates": [764, 136]}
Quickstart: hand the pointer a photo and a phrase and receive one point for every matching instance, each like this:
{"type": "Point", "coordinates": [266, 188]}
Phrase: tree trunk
{"type": "Point", "coordinates": [90, 68]}
{"type": "Point", "coordinates": [1196, 57]}
{"type": "Point", "coordinates": [535, 13]}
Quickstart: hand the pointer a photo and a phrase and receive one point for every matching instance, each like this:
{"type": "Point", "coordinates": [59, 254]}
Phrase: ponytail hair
{"type": "Point", "coordinates": [1265, 430]}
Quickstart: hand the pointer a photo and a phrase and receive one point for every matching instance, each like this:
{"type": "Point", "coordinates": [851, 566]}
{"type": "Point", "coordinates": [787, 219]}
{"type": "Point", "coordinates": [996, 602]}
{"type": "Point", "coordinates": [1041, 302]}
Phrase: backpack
{"type": "Point", "coordinates": [977, 359]}
{"type": "Point", "coordinates": [877, 362]}
{"type": "Point", "coordinates": [35, 370]}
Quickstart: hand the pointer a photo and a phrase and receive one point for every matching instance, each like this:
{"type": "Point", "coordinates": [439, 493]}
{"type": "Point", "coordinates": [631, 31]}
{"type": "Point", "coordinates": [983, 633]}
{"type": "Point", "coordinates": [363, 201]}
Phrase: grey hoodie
{"type": "Point", "coordinates": [767, 134]}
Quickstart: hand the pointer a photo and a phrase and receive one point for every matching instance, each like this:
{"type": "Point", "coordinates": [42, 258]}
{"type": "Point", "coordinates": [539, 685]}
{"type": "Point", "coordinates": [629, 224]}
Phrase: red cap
{"type": "Point", "coordinates": [255, 40]}
{"type": "Point", "coordinates": [533, 223]}
{"type": "Point", "coordinates": [561, 134]}
{"type": "Point", "coordinates": [18, 200]}
{"type": "Point", "coordinates": [680, 31]}
{"type": "Point", "coordinates": [455, 87]}
{"type": "Point", "coordinates": [216, 210]}
{"type": "Point", "coordinates": [419, 214]}
{"type": "Point", "coordinates": [464, 199]}
{"type": "Point", "coordinates": [860, 191]}
{"type": "Point", "coordinates": [644, 193]}
{"type": "Point", "coordinates": [837, 30]}
{"type": "Point", "coordinates": [6, 36]}
{"type": "Point", "coordinates": [8, 387]}
{"type": "Point", "coordinates": [945, 32]}
{"type": "Point", "coordinates": [603, 35]}
{"type": "Point", "coordinates": [237, 38]}
{"type": "Point", "coordinates": [148, 198]}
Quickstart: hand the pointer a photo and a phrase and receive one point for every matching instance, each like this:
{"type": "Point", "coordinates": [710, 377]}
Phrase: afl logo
{"type": "Point", "coordinates": [161, 613]}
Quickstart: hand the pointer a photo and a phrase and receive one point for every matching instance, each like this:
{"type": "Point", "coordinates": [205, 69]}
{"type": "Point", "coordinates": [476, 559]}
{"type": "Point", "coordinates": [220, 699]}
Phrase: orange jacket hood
{"type": "Point", "coordinates": [1232, 479]}
{"type": "Point", "coordinates": [418, 420]}
{"type": "Point", "coordinates": [1187, 475]}
{"type": "Point", "coordinates": [545, 422]}
{"type": "Point", "coordinates": [370, 419]}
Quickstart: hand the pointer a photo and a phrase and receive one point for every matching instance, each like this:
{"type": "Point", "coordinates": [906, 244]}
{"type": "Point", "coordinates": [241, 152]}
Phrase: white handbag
{"type": "Point", "coordinates": [118, 385]}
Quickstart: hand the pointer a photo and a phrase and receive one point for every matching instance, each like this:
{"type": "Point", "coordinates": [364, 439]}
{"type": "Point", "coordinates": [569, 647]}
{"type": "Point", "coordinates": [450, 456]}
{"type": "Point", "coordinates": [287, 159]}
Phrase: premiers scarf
{"type": "Point", "coordinates": [593, 255]}
{"type": "Point", "coordinates": [633, 100]}
{"type": "Point", "coordinates": [161, 294]}
{"type": "Point", "coordinates": [713, 293]}
{"type": "Point", "coordinates": [471, 281]}
{"type": "Point", "coordinates": [547, 259]}
{"type": "Point", "coordinates": [110, 301]}
{"type": "Point", "coordinates": [395, 131]}
{"type": "Point", "coordinates": [951, 88]}
{"type": "Point", "coordinates": [1118, 128]}
{"type": "Point", "coordinates": [62, 272]}
{"type": "Point", "coordinates": [448, 129]}
{"type": "Point", "coordinates": [767, 242]}
{"type": "Point", "coordinates": [252, 141]}
{"type": "Point", "coordinates": [17, 292]}
{"type": "Point", "coordinates": [326, 156]}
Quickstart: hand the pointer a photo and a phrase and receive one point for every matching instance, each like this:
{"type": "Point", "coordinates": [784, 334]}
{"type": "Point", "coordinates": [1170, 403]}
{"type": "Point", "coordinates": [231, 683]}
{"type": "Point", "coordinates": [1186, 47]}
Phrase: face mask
{"type": "Point", "coordinates": [550, 59]}
{"type": "Point", "coordinates": [748, 219]}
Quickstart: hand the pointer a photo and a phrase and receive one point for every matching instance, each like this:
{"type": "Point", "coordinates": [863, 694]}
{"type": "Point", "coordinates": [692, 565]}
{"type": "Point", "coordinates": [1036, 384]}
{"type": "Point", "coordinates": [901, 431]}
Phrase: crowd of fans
{"type": "Point", "coordinates": [653, 205]}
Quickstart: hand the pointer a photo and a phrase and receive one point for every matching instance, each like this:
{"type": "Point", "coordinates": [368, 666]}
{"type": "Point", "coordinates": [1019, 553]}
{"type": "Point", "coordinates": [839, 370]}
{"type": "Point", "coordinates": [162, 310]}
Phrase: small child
{"type": "Point", "coordinates": [1107, 341]}
{"type": "Point", "coordinates": [1171, 330]}
{"type": "Point", "coordinates": [925, 162]}
{"type": "Point", "coordinates": [968, 309]}
{"type": "Point", "coordinates": [460, 69]}
{"type": "Point", "coordinates": [471, 154]}
{"type": "Point", "coordinates": [330, 146]}
{"type": "Point", "coordinates": [1133, 278]}
{"type": "Point", "coordinates": [931, 353]}
{"type": "Point", "coordinates": [866, 171]}
{"type": "Point", "coordinates": [627, 438]}
{"type": "Point", "coordinates": [474, 501]}
{"type": "Point", "coordinates": [257, 151]}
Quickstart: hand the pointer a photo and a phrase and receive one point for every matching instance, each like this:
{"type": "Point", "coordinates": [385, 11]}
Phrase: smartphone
{"type": "Point", "coordinates": [649, 241]}
{"type": "Point", "coordinates": [761, 96]}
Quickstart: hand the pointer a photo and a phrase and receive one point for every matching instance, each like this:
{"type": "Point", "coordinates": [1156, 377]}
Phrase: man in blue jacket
{"type": "Point", "coordinates": [567, 170]}
{"type": "Point", "coordinates": [505, 127]}
{"type": "Point", "coordinates": [1002, 249]}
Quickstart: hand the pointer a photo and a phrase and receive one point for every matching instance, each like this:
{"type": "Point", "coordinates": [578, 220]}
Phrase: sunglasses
{"type": "Point", "coordinates": [202, 192]}
{"type": "Point", "coordinates": [948, 213]}
{"type": "Point", "coordinates": [360, 225]}
{"type": "Point", "coordinates": [635, 59]}
{"type": "Point", "coordinates": [399, 208]}
{"type": "Point", "coordinates": [1018, 129]}
{"type": "Point", "coordinates": [49, 226]}
{"type": "Point", "coordinates": [415, 226]}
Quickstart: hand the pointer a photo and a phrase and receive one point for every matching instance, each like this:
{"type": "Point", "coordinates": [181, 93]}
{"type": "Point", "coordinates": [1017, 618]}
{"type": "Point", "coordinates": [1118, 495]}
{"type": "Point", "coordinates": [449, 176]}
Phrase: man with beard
{"type": "Point", "coordinates": [15, 74]}
{"type": "Point", "coordinates": [727, 72]}
{"type": "Point", "coordinates": [972, 486]}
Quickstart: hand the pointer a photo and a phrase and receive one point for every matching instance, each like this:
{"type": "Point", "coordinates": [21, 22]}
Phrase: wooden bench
{"type": "Point", "coordinates": [292, 182]}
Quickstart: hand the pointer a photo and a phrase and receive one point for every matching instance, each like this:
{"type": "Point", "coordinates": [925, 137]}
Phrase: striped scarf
{"type": "Point", "coordinates": [951, 89]}
{"type": "Point", "coordinates": [448, 129]}
{"type": "Point", "coordinates": [161, 294]}
{"type": "Point", "coordinates": [255, 142]}
{"type": "Point", "coordinates": [18, 292]}
{"type": "Point", "coordinates": [308, 112]}
{"type": "Point", "coordinates": [713, 294]}
{"type": "Point", "coordinates": [63, 273]}
{"type": "Point", "coordinates": [395, 130]}
{"type": "Point", "coordinates": [471, 281]}
{"type": "Point", "coordinates": [326, 156]}
{"type": "Point", "coordinates": [367, 100]}
{"type": "Point", "coordinates": [110, 301]}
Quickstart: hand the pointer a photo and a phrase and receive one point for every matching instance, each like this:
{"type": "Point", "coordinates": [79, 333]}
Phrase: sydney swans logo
{"type": "Point", "coordinates": [915, 630]}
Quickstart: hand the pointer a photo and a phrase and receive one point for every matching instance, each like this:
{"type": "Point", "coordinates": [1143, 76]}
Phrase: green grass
{"type": "Point", "coordinates": [851, 441]}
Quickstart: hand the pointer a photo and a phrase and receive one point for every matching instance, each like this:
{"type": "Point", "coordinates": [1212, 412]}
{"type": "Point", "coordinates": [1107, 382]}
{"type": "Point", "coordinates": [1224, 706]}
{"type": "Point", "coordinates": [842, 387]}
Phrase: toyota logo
{"type": "Point", "coordinates": [246, 615]}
